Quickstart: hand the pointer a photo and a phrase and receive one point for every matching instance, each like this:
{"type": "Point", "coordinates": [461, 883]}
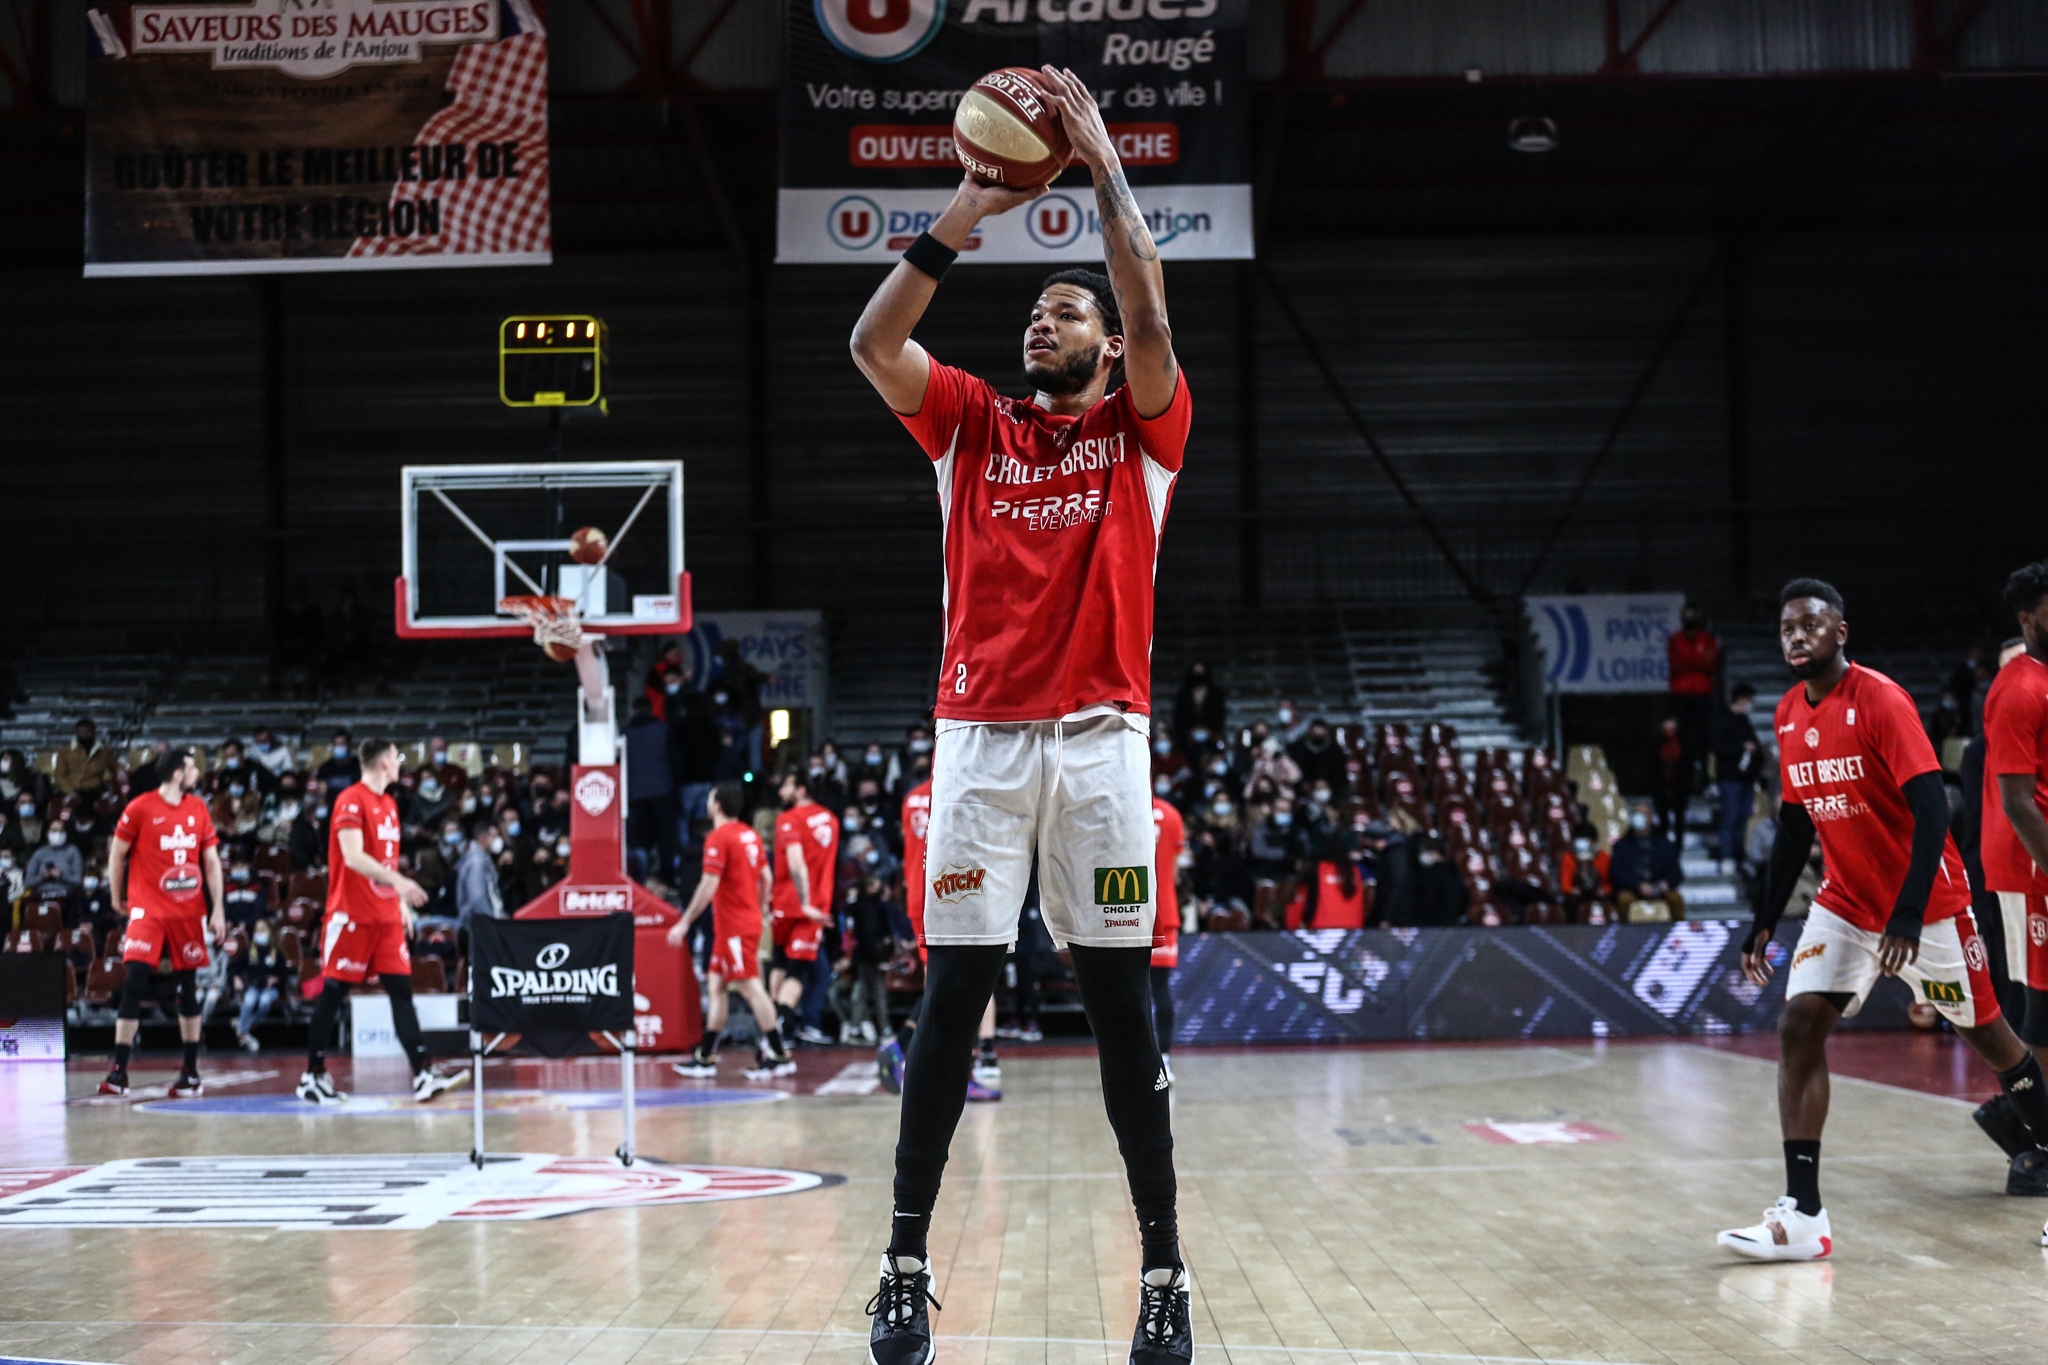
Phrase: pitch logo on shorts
{"type": "Point", "coordinates": [958, 882]}
{"type": "Point", "coordinates": [880, 30]}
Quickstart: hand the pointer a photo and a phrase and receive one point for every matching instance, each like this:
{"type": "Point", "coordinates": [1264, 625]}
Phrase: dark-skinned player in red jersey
{"type": "Point", "coordinates": [1856, 769]}
{"type": "Point", "coordinates": [1051, 509]}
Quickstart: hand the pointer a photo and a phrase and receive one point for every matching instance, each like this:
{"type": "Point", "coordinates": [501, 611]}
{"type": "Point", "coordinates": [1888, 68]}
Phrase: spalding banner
{"type": "Point", "coordinates": [297, 135]}
{"type": "Point", "coordinates": [552, 980]}
{"type": "Point", "coordinates": [870, 86]}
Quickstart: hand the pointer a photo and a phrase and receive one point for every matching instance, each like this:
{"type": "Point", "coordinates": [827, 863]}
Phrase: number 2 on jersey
{"type": "Point", "coordinates": [960, 681]}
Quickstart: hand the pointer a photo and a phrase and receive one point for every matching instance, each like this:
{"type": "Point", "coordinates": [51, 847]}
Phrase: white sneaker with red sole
{"type": "Point", "coordinates": [1785, 1234]}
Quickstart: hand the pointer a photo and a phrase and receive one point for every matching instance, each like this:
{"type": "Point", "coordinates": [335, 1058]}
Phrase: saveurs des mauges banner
{"type": "Point", "coordinates": [868, 93]}
{"type": "Point", "coordinates": [296, 135]}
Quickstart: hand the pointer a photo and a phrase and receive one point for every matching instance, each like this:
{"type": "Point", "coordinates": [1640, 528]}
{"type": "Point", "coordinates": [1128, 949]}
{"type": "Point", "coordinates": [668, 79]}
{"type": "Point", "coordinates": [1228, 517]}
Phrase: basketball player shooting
{"type": "Point", "coordinates": [1052, 510]}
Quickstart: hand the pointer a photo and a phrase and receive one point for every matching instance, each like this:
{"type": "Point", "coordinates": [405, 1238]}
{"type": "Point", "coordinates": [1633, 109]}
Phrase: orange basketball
{"type": "Point", "coordinates": [588, 545]}
{"type": "Point", "coordinates": [1007, 133]}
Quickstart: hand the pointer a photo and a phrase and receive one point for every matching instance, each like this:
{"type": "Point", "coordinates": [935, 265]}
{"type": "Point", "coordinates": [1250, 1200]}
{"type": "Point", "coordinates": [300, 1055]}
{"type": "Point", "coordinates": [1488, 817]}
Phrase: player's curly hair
{"type": "Point", "coordinates": [2027, 586]}
{"type": "Point", "coordinates": [1812, 587]}
{"type": "Point", "coordinates": [1097, 284]}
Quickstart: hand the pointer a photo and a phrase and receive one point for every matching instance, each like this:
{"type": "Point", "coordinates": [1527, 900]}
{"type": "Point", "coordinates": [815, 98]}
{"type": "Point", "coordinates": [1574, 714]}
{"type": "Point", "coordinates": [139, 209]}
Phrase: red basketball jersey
{"type": "Point", "coordinates": [2015, 742]}
{"type": "Point", "coordinates": [165, 848]}
{"type": "Point", "coordinates": [1052, 529]}
{"type": "Point", "coordinates": [376, 815]}
{"type": "Point", "coordinates": [732, 853]}
{"type": "Point", "coordinates": [816, 831]}
{"type": "Point", "coordinates": [1845, 761]}
{"type": "Point", "coordinates": [1170, 835]}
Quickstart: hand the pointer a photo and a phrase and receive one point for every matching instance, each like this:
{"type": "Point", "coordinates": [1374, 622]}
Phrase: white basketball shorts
{"type": "Point", "coordinates": [2025, 914]}
{"type": "Point", "coordinates": [1078, 792]}
{"type": "Point", "coordinates": [1951, 973]}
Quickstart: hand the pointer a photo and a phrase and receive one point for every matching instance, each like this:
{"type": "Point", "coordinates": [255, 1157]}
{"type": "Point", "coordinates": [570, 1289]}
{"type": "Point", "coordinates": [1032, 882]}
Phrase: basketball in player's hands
{"type": "Point", "coordinates": [588, 545]}
{"type": "Point", "coordinates": [1008, 133]}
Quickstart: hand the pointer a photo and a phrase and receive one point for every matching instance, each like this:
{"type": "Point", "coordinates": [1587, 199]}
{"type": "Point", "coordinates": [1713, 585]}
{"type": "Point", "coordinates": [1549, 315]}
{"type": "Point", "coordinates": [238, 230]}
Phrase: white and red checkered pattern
{"type": "Point", "coordinates": [501, 95]}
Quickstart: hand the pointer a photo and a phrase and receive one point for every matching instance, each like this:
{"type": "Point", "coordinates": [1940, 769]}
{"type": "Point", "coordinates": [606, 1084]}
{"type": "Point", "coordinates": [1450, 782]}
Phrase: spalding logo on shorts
{"type": "Point", "coordinates": [595, 792]}
{"type": "Point", "coordinates": [880, 30]}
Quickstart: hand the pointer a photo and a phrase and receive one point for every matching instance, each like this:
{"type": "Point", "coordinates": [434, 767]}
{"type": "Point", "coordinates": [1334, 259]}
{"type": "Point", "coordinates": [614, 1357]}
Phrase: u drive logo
{"type": "Point", "coordinates": [1055, 221]}
{"type": "Point", "coordinates": [854, 222]}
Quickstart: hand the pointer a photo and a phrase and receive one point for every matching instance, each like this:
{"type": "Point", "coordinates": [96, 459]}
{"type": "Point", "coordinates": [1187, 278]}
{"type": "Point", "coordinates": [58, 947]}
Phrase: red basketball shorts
{"type": "Point", "coordinates": [735, 954]}
{"type": "Point", "coordinates": [152, 936]}
{"type": "Point", "coordinates": [354, 951]}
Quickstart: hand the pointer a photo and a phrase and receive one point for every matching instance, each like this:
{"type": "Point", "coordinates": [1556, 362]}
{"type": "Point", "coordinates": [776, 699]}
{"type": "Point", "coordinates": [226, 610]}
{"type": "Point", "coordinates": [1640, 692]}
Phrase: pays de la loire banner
{"type": "Point", "coordinates": [1605, 643]}
{"type": "Point", "coordinates": [301, 135]}
{"type": "Point", "coordinates": [868, 93]}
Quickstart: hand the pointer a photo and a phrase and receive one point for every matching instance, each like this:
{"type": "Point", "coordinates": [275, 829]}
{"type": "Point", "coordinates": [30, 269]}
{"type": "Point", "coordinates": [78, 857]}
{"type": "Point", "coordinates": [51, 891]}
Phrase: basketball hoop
{"type": "Point", "coordinates": [557, 625]}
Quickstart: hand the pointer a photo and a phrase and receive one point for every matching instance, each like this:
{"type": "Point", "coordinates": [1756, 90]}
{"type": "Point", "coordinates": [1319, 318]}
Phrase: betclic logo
{"type": "Point", "coordinates": [880, 30]}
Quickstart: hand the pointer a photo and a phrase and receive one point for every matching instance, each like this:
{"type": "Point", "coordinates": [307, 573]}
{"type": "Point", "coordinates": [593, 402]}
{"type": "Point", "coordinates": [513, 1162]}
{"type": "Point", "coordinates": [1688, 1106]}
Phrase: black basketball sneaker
{"type": "Point", "coordinates": [902, 1331]}
{"type": "Point", "coordinates": [1165, 1336]}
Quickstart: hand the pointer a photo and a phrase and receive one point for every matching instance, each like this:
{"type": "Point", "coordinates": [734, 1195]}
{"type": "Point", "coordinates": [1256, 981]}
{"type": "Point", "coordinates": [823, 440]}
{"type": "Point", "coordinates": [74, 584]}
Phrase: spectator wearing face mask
{"type": "Point", "coordinates": [666, 679]}
{"type": "Point", "coordinates": [433, 867]}
{"type": "Point", "coordinates": [1271, 765]}
{"type": "Point", "coordinates": [245, 896]}
{"type": "Point", "coordinates": [860, 992]}
{"type": "Point", "coordinates": [477, 882]}
{"type": "Point", "coordinates": [1198, 706]}
{"type": "Point", "coordinates": [29, 824]}
{"type": "Point", "coordinates": [1275, 851]}
{"type": "Point", "coordinates": [307, 837]}
{"type": "Point", "coordinates": [58, 861]}
{"type": "Point", "coordinates": [260, 972]}
{"type": "Point", "coordinates": [1171, 775]}
{"type": "Point", "coordinates": [430, 801]}
{"type": "Point", "coordinates": [1392, 860]}
{"type": "Point", "coordinates": [236, 766]}
{"type": "Point", "coordinates": [917, 743]}
{"type": "Point", "coordinates": [98, 908]}
{"type": "Point", "coordinates": [85, 767]}
{"type": "Point", "coordinates": [1645, 871]}
{"type": "Point", "coordinates": [1441, 896]}
{"type": "Point", "coordinates": [13, 878]}
{"type": "Point", "coordinates": [1288, 721]}
{"type": "Point", "coordinates": [342, 768]}
{"type": "Point", "coordinates": [1320, 759]}
{"type": "Point", "coordinates": [269, 753]}
{"type": "Point", "coordinates": [1583, 876]}
{"type": "Point", "coordinates": [237, 807]}
{"type": "Point", "coordinates": [877, 813]}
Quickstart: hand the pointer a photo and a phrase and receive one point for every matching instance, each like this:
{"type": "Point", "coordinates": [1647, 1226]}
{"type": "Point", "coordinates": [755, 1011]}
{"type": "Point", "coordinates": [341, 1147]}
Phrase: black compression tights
{"type": "Point", "coordinates": [404, 1020]}
{"type": "Point", "coordinates": [135, 989]}
{"type": "Point", "coordinates": [1117, 995]}
{"type": "Point", "coordinates": [1162, 1006]}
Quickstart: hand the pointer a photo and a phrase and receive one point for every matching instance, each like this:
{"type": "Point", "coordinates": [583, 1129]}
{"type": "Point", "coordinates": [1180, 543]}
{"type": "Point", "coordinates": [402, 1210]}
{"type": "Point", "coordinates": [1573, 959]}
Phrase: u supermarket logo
{"type": "Point", "coordinates": [855, 222]}
{"type": "Point", "coordinates": [880, 30]}
{"type": "Point", "coordinates": [1055, 221]}
{"type": "Point", "coordinates": [1121, 885]}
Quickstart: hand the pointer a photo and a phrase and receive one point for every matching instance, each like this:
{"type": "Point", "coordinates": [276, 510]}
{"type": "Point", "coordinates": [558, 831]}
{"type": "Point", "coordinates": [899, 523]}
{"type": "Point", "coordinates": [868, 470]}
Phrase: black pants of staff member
{"type": "Point", "coordinates": [1695, 722]}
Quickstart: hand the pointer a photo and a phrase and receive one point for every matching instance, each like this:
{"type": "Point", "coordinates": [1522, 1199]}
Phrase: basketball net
{"type": "Point", "coordinates": [556, 622]}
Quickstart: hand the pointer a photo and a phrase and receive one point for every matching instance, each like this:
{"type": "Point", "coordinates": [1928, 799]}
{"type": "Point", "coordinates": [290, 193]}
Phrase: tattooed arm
{"type": "Point", "coordinates": [1127, 247]}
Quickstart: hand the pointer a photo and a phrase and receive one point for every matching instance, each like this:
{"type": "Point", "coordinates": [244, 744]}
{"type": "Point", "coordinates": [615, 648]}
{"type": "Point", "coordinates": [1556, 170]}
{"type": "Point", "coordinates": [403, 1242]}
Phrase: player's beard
{"type": "Point", "coordinates": [1815, 665]}
{"type": "Point", "coordinates": [1067, 377]}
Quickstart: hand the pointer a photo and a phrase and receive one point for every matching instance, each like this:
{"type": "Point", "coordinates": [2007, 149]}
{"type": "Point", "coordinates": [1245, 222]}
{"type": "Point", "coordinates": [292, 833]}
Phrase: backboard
{"type": "Point", "coordinates": [477, 534]}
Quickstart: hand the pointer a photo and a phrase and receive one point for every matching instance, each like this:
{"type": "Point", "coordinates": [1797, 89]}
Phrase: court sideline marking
{"type": "Point", "coordinates": [1228, 1348]}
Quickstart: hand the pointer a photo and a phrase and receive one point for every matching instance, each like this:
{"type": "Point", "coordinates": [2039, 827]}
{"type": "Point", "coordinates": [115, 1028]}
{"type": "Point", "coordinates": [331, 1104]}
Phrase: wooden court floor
{"type": "Point", "coordinates": [1530, 1203]}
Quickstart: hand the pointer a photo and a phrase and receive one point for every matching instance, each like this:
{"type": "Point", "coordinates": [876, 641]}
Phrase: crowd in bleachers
{"type": "Point", "coordinates": [482, 836]}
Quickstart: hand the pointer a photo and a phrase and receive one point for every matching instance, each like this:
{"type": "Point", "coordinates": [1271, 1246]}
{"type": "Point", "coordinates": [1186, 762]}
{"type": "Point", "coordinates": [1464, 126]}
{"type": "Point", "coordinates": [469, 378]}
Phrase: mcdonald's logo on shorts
{"type": "Point", "coordinates": [1121, 885]}
{"type": "Point", "coordinates": [1943, 992]}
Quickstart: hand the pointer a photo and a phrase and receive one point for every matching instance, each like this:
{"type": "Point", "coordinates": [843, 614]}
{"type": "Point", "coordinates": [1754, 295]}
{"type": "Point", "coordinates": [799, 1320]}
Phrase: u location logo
{"type": "Point", "coordinates": [880, 30]}
{"type": "Point", "coordinates": [1055, 221]}
{"type": "Point", "coordinates": [855, 222]}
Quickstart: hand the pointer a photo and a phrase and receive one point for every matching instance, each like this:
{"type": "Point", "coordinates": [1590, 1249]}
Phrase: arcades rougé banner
{"type": "Point", "coordinates": [300, 135]}
{"type": "Point", "coordinates": [869, 89]}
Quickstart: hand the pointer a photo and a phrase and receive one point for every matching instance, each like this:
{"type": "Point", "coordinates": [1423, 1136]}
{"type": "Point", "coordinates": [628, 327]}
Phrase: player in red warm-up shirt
{"type": "Point", "coordinates": [734, 888]}
{"type": "Point", "coordinates": [1051, 508]}
{"type": "Point", "coordinates": [162, 861]}
{"type": "Point", "coordinates": [370, 906]}
{"type": "Point", "coordinates": [2015, 836]}
{"type": "Point", "coordinates": [800, 903]}
{"type": "Point", "coordinates": [1171, 833]}
{"type": "Point", "coordinates": [1856, 768]}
